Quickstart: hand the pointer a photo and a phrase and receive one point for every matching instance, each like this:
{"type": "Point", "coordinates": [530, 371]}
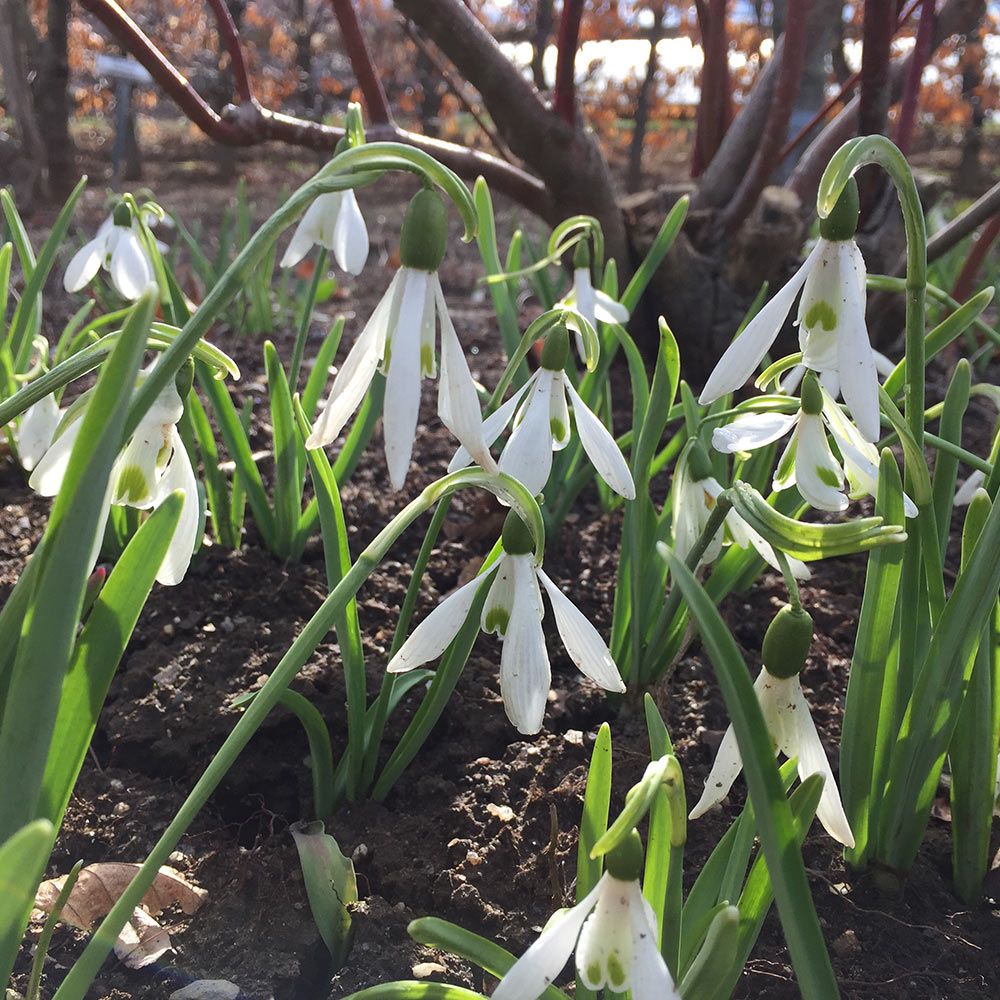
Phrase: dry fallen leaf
{"type": "Point", "coordinates": [98, 888]}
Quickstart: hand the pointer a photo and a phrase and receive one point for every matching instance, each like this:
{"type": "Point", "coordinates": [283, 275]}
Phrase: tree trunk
{"type": "Point", "coordinates": [544, 20]}
{"type": "Point", "coordinates": [643, 101]}
{"type": "Point", "coordinates": [52, 100]}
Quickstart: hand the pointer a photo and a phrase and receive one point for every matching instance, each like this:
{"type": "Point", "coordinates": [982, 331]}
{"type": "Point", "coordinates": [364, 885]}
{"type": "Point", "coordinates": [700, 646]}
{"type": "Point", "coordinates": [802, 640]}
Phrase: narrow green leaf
{"type": "Point", "coordinates": [99, 650]}
{"type": "Point", "coordinates": [455, 940]}
{"type": "Point", "coordinates": [594, 819]}
{"type": "Point", "coordinates": [287, 469]}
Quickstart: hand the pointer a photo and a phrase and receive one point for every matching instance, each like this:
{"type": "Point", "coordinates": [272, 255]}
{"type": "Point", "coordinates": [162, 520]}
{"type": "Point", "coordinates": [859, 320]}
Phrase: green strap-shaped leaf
{"type": "Point", "coordinates": [956, 400]}
{"type": "Point", "coordinates": [455, 940]}
{"type": "Point", "coordinates": [775, 822]}
{"type": "Point", "coordinates": [871, 688]}
{"type": "Point", "coordinates": [23, 857]}
{"type": "Point", "coordinates": [407, 989]}
{"type": "Point", "coordinates": [48, 631]}
{"type": "Point", "coordinates": [287, 454]}
{"type": "Point", "coordinates": [99, 650]}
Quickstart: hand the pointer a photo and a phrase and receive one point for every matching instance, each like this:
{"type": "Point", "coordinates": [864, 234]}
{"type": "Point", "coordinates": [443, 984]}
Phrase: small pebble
{"type": "Point", "coordinates": [207, 989]}
{"type": "Point", "coordinates": [116, 786]}
{"type": "Point", "coordinates": [846, 945]}
{"type": "Point", "coordinates": [121, 808]}
{"type": "Point", "coordinates": [422, 970]}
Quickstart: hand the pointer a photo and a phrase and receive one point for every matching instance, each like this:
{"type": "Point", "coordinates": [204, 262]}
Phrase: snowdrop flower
{"type": "Point", "coordinates": [807, 461]}
{"type": "Point", "coordinates": [786, 712]}
{"type": "Point", "coordinates": [540, 413]}
{"type": "Point", "coordinates": [695, 492]}
{"type": "Point", "coordinates": [830, 379]}
{"type": "Point", "coordinates": [334, 221]}
{"type": "Point", "coordinates": [152, 465]}
{"type": "Point", "coordinates": [591, 303]}
{"type": "Point", "coordinates": [613, 931]}
{"type": "Point", "coordinates": [399, 339]}
{"type": "Point", "coordinates": [118, 248]}
{"type": "Point", "coordinates": [38, 426]}
{"type": "Point", "coordinates": [514, 611]}
{"type": "Point", "coordinates": [831, 320]}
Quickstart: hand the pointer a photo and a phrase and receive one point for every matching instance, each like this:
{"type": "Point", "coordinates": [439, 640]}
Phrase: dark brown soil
{"type": "Point", "coordinates": [438, 845]}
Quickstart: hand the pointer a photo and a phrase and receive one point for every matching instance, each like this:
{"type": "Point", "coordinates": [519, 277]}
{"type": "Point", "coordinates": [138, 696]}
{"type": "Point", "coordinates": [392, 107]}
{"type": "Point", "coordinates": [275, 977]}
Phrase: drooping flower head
{"type": "Point", "coordinates": [613, 931]}
{"type": "Point", "coordinates": [808, 461]}
{"type": "Point", "coordinates": [513, 610]}
{"type": "Point", "coordinates": [695, 492]}
{"type": "Point", "coordinates": [119, 249]}
{"type": "Point", "coordinates": [786, 713]}
{"type": "Point", "coordinates": [152, 465]}
{"type": "Point", "coordinates": [333, 221]}
{"type": "Point", "coordinates": [399, 339]}
{"type": "Point", "coordinates": [833, 335]}
{"type": "Point", "coordinates": [541, 416]}
{"type": "Point", "coordinates": [591, 303]}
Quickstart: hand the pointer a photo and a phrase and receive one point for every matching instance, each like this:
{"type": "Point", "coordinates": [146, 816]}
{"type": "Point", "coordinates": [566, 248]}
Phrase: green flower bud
{"type": "Point", "coordinates": [581, 255]}
{"type": "Point", "coordinates": [698, 462]}
{"type": "Point", "coordinates": [624, 862]}
{"type": "Point", "coordinates": [122, 215]}
{"type": "Point", "coordinates": [787, 642]}
{"type": "Point", "coordinates": [555, 349]}
{"type": "Point", "coordinates": [811, 395]}
{"type": "Point", "coordinates": [842, 222]}
{"type": "Point", "coordinates": [516, 537]}
{"type": "Point", "coordinates": [424, 235]}
{"type": "Point", "coordinates": [184, 379]}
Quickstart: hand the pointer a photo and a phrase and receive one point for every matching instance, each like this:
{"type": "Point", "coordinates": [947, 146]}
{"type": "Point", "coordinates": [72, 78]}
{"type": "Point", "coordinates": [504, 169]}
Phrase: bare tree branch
{"type": "Point", "coordinates": [230, 38]}
{"type": "Point", "coordinates": [250, 124]}
{"type": "Point", "coordinates": [911, 90]}
{"type": "Point", "coordinates": [564, 92]}
{"type": "Point", "coordinates": [793, 59]}
{"type": "Point", "coordinates": [977, 254]}
{"type": "Point", "coordinates": [372, 91]}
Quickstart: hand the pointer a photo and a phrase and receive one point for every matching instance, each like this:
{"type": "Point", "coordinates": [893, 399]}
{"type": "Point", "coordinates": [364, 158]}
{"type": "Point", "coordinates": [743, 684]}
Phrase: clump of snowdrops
{"type": "Point", "coordinates": [136, 472]}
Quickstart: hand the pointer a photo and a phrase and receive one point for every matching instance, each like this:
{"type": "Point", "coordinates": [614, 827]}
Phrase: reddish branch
{"type": "Point", "coordinates": [877, 31]}
{"type": "Point", "coordinates": [977, 254]}
{"type": "Point", "coordinates": [250, 124]}
{"type": "Point", "coordinates": [922, 50]}
{"type": "Point", "coordinates": [360, 55]}
{"type": "Point", "coordinates": [713, 108]}
{"type": "Point", "coordinates": [230, 38]}
{"type": "Point", "coordinates": [769, 150]}
{"type": "Point", "coordinates": [564, 92]}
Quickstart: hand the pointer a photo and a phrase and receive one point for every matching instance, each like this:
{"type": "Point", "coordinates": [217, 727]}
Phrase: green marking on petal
{"type": "Point", "coordinates": [821, 314]}
{"type": "Point", "coordinates": [558, 428]}
{"type": "Point", "coordinates": [828, 477]}
{"type": "Point", "coordinates": [616, 972]}
{"type": "Point", "coordinates": [132, 486]}
{"type": "Point", "coordinates": [497, 620]}
{"type": "Point", "coordinates": [426, 360]}
{"type": "Point", "coordinates": [594, 972]}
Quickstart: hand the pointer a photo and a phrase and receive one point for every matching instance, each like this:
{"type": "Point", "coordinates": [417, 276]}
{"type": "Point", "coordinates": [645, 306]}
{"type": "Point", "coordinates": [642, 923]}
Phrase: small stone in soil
{"type": "Point", "coordinates": [422, 970]}
{"type": "Point", "coordinates": [207, 989]}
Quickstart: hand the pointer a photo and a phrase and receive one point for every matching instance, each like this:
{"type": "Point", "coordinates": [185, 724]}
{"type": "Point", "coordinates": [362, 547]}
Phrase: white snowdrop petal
{"type": "Point", "coordinates": [649, 977]}
{"type": "Point", "coordinates": [601, 447]}
{"type": "Point", "coordinates": [750, 431]}
{"type": "Point", "coordinates": [559, 414]}
{"type": "Point", "coordinates": [608, 310]}
{"type": "Point", "coordinates": [745, 353]}
{"type": "Point", "coordinates": [820, 315]}
{"type": "Point", "coordinates": [725, 770]}
{"type": "Point", "coordinates": [493, 425]}
{"type": "Point", "coordinates": [524, 663]}
{"type": "Point", "coordinates": [48, 474]}
{"type": "Point", "coordinates": [179, 475]}
{"type": "Point", "coordinates": [34, 436]}
{"type": "Point", "coordinates": [402, 387]}
{"type": "Point", "coordinates": [818, 476]}
{"type": "Point", "coordinates": [965, 492]}
{"type": "Point", "coordinates": [583, 642]}
{"type": "Point", "coordinates": [544, 960]}
{"type": "Point", "coordinates": [500, 600]}
{"type": "Point", "coordinates": [305, 237]}
{"type": "Point", "coordinates": [812, 759]}
{"type": "Point", "coordinates": [435, 633]}
{"type": "Point", "coordinates": [527, 455]}
{"type": "Point", "coordinates": [84, 265]}
{"type": "Point", "coordinates": [855, 358]}
{"type": "Point", "coordinates": [130, 271]}
{"type": "Point", "coordinates": [604, 953]}
{"type": "Point", "coordinates": [350, 237]}
{"type": "Point", "coordinates": [458, 402]}
{"type": "Point", "coordinates": [355, 375]}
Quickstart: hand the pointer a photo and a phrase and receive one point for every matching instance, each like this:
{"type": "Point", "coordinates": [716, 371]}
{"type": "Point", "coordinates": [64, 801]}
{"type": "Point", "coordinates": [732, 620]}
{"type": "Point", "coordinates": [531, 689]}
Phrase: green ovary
{"type": "Point", "coordinates": [821, 314]}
